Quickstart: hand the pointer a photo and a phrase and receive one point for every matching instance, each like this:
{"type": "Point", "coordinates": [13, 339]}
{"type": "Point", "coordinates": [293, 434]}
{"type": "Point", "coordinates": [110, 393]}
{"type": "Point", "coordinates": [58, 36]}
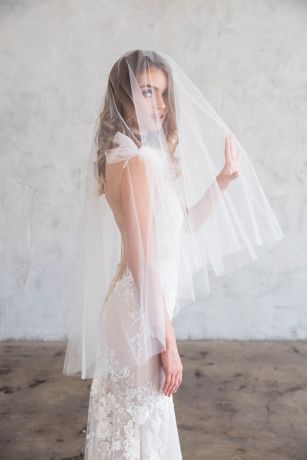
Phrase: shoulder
{"type": "Point", "coordinates": [134, 167]}
{"type": "Point", "coordinates": [125, 148]}
{"type": "Point", "coordinates": [134, 177]}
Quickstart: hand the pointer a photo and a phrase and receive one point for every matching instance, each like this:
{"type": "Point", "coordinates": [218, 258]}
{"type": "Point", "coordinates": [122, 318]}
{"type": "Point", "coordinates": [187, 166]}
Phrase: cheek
{"type": "Point", "coordinates": [149, 104]}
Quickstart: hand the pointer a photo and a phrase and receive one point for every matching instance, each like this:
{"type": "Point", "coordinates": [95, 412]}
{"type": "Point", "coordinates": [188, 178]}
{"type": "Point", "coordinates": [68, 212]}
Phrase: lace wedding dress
{"type": "Point", "coordinates": [129, 416]}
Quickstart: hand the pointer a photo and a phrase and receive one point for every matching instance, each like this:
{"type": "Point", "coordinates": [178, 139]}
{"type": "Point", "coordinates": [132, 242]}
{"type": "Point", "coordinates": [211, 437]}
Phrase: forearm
{"type": "Point", "coordinates": [170, 335]}
{"type": "Point", "coordinates": [203, 208]}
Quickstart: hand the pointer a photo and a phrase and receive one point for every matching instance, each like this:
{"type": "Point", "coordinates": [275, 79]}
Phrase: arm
{"type": "Point", "coordinates": [136, 191]}
{"type": "Point", "coordinates": [202, 209]}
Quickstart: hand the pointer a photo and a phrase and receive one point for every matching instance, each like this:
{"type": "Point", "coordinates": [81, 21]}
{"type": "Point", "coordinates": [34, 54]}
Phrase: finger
{"type": "Point", "coordinates": [227, 152]}
{"type": "Point", "coordinates": [227, 157]}
{"type": "Point", "coordinates": [167, 384]}
{"type": "Point", "coordinates": [174, 385]}
{"type": "Point", "coordinates": [170, 385]}
{"type": "Point", "coordinates": [166, 380]}
{"type": "Point", "coordinates": [179, 378]}
{"type": "Point", "coordinates": [178, 381]}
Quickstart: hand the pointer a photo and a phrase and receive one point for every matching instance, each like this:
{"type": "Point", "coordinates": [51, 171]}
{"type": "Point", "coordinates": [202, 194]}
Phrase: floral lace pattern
{"type": "Point", "coordinates": [123, 299]}
{"type": "Point", "coordinates": [129, 416]}
{"type": "Point", "coordinates": [127, 421]}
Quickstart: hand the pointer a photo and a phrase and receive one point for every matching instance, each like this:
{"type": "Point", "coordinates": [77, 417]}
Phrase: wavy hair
{"type": "Point", "coordinates": [119, 95]}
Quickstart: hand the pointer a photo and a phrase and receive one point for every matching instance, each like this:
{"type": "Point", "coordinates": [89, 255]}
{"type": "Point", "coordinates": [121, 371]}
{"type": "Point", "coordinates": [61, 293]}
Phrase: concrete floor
{"type": "Point", "coordinates": [237, 401]}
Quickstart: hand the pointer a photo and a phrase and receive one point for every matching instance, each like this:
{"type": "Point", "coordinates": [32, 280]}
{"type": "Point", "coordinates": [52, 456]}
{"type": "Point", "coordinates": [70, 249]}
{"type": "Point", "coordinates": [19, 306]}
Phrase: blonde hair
{"type": "Point", "coordinates": [119, 94]}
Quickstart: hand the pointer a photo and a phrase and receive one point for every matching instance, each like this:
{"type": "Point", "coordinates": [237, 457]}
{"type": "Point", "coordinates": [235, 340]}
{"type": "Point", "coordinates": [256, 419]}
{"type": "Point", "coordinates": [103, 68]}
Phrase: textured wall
{"type": "Point", "coordinates": [249, 58]}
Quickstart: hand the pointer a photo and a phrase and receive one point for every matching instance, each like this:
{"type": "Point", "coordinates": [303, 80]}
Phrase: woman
{"type": "Point", "coordinates": [158, 190]}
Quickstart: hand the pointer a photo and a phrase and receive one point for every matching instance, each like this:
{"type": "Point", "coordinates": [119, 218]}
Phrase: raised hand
{"type": "Point", "coordinates": [230, 170]}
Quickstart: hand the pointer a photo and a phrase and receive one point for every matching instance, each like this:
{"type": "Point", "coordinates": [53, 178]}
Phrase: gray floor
{"type": "Point", "coordinates": [237, 401]}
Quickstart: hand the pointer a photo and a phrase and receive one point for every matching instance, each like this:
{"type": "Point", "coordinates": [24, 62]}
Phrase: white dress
{"type": "Point", "coordinates": [129, 416]}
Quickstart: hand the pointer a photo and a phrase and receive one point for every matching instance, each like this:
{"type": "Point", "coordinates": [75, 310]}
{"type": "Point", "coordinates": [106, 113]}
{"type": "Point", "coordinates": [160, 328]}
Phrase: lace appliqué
{"type": "Point", "coordinates": [125, 421]}
{"type": "Point", "coordinates": [124, 294]}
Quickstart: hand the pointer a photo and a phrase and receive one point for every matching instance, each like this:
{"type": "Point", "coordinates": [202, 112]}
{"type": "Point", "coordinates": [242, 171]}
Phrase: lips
{"type": "Point", "coordinates": [158, 118]}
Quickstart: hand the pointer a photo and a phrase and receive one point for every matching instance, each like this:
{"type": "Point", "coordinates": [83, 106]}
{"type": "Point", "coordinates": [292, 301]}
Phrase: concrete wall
{"type": "Point", "coordinates": [249, 59]}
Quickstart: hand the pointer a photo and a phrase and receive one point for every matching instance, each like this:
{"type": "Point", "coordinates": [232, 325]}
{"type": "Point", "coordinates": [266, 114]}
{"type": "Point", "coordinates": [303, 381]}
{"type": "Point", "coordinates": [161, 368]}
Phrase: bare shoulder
{"type": "Point", "coordinates": [134, 167]}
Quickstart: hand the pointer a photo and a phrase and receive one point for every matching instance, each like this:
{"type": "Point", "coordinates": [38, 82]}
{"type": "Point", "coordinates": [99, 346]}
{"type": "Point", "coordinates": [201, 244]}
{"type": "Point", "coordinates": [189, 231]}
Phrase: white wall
{"type": "Point", "coordinates": [249, 59]}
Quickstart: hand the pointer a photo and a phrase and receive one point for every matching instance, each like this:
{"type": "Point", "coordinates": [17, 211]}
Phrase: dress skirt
{"type": "Point", "coordinates": [129, 416]}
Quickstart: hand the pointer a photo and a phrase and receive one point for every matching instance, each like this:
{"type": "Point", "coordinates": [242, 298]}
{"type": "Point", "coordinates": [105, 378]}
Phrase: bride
{"type": "Point", "coordinates": [159, 215]}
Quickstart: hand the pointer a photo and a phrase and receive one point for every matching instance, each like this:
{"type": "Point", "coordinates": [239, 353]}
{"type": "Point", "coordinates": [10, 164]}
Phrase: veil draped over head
{"type": "Point", "coordinates": [156, 156]}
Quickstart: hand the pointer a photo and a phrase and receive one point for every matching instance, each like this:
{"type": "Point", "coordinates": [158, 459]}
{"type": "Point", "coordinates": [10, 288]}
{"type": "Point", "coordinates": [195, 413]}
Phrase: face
{"type": "Point", "coordinates": [154, 85]}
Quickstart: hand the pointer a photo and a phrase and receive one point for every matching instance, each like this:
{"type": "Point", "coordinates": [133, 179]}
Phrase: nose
{"type": "Point", "coordinates": [160, 102]}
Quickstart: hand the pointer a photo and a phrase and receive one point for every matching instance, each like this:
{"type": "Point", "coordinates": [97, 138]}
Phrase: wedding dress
{"type": "Point", "coordinates": [129, 416]}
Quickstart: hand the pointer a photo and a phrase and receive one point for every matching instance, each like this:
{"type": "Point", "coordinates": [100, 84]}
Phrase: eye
{"type": "Point", "coordinates": [147, 93]}
{"type": "Point", "coordinates": [165, 94]}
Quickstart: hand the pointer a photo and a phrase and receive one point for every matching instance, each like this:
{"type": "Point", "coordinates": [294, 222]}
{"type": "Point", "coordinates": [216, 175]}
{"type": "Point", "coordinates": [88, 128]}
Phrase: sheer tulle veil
{"type": "Point", "coordinates": [177, 152]}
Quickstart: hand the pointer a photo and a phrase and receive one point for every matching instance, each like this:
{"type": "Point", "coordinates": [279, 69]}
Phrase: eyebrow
{"type": "Point", "coordinates": [151, 86]}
